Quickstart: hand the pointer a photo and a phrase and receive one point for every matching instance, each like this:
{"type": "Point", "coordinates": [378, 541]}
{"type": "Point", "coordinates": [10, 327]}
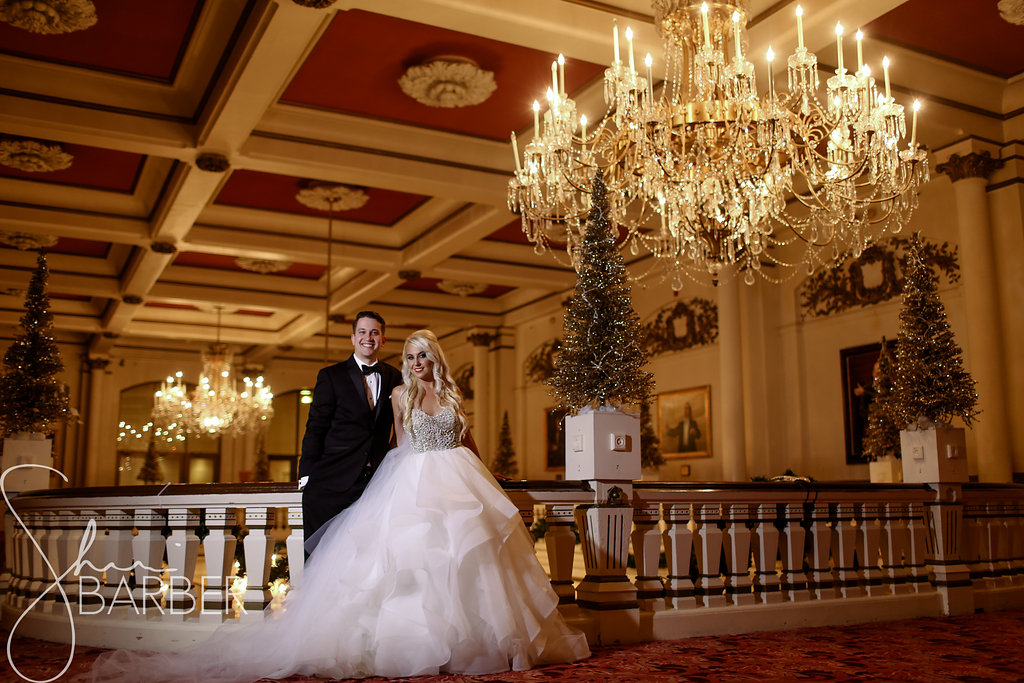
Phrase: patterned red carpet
{"type": "Point", "coordinates": [973, 649]}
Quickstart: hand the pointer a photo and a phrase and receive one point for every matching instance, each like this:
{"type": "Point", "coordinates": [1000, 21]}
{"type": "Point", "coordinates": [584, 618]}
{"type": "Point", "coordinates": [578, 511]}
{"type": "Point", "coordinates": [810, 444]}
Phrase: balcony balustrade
{"type": "Point", "coordinates": [154, 568]}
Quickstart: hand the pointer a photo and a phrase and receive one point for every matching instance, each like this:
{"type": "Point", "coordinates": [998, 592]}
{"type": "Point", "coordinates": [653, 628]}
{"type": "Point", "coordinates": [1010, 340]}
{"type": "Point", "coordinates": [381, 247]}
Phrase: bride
{"type": "Point", "coordinates": [430, 571]}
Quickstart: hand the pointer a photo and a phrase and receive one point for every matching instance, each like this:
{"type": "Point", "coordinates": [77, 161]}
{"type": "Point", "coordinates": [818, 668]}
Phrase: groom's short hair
{"type": "Point", "coordinates": [369, 314]}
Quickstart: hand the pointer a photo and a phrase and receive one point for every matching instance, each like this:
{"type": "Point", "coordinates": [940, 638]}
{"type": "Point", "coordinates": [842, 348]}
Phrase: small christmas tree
{"type": "Point", "coordinates": [150, 472]}
{"type": "Point", "coordinates": [505, 461]}
{"type": "Point", "coordinates": [650, 444]}
{"type": "Point", "coordinates": [31, 398]}
{"type": "Point", "coordinates": [601, 359]}
{"type": "Point", "coordinates": [262, 470]}
{"type": "Point", "coordinates": [930, 384]}
{"type": "Point", "coordinates": [882, 435]}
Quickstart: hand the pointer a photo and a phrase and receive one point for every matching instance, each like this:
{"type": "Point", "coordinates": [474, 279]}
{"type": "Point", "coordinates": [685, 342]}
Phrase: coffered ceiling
{"type": "Point", "coordinates": [149, 244]}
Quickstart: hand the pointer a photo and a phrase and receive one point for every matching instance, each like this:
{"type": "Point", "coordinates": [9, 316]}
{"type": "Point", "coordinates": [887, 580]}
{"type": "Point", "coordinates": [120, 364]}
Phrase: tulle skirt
{"type": "Point", "coordinates": [430, 571]}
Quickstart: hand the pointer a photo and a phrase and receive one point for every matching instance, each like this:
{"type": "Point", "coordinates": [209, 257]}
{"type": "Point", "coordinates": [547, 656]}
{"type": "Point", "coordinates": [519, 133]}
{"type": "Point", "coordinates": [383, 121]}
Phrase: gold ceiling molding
{"type": "Point", "coordinates": [262, 266]}
{"type": "Point", "coordinates": [33, 156]}
{"type": "Point", "coordinates": [448, 82]}
{"type": "Point", "coordinates": [26, 240]}
{"type": "Point", "coordinates": [48, 16]}
{"type": "Point", "coordinates": [1012, 11]}
{"type": "Point", "coordinates": [325, 196]}
{"type": "Point", "coordinates": [461, 288]}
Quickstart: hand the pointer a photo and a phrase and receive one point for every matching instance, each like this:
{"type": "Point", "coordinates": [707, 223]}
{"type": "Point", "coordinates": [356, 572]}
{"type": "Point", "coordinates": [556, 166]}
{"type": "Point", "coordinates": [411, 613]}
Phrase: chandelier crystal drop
{"type": "Point", "coordinates": [710, 174]}
{"type": "Point", "coordinates": [215, 406]}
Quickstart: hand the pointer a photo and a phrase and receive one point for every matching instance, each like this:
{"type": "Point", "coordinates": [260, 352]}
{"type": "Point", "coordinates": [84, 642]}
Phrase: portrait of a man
{"type": "Point", "coordinates": [684, 423]}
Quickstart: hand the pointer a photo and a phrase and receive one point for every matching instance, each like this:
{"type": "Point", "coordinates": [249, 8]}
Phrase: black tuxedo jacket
{"type": "Point", "coordinates": [342, 434]}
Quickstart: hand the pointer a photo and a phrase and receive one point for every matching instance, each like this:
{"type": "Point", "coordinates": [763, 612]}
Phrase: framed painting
{"type": "Point", "coordinates": [684, 423]}
{"type": "Point", "coordinates": [857, 365]}
{"type": "Point", "coordinates": [555, 431]}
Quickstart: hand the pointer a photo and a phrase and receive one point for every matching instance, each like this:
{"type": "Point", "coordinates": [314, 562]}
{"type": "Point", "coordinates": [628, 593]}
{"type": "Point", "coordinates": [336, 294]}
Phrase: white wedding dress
{"type": "Point", "coordinates": [430, 571]}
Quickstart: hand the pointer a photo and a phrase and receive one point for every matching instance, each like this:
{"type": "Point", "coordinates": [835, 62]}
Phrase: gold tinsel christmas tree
{"type": "Point", "coordinates": [931, 384]}
{"type": "Point", "coordinates": [505, 461]}
{"type": "Point", "coordinates": [650, 444]}
{"type": "Point", "coordinates": [882, 435]}
{"type": "Point", "coordinates": [601, 359]}
{"type": "Point", "coordinates": [31, 398]}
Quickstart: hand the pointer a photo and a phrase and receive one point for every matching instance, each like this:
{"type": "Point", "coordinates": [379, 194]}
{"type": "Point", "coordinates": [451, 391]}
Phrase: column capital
{"type": "Point", "coordinates": [96, 363]}
{"type": "Point", "coordinates": [973, 165]}
{"type": "Point", "coordinates": [481, 338]}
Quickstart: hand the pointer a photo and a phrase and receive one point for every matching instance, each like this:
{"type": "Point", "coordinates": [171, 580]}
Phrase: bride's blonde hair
{"type": "Point", "coordinates": [447, 393]}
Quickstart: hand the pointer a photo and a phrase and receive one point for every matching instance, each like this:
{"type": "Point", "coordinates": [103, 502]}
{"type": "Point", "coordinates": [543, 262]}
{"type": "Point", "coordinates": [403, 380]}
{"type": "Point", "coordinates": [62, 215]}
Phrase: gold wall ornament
{"type": "Point", "coordinates": [1012, 11]}
{"type": "Point", "coordinates": [681, 326]}
{"type": "Point", "coordinates": [960, 167]}
{"type": "Point", "coordinates": [262, 266]}
{"type": "Point", "coordinates": [448, 82]}
{"type": "Point", "coordinates": [325, 196]}
{"type": "Point", "coordinates": [460, 288]}
{"type": "Point", "coordinates": [48, 16]}
{"type": "Point", "coordinates": [34, 156]}
{"type": "Point", "coordinates": [26, 240]}
{"type": "Point", "coordinates": [540, 364]}
{"type": "Point", "coordinates": [712, 177]}
{"type": "Point", "coordinates": [875, 277]}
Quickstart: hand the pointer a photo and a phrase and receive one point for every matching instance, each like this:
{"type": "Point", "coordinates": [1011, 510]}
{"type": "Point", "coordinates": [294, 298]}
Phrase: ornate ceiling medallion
{"type": "Point", "coordinates": [448, 82]}
{"type": "Point", "coordinates": [33, 156]}
{"type": "Point", "coordinates": [25, 240]}
{"type": "Point", "coordinates": [325, 196]}
{"type": "Point", "coordinates": [461, 288]}
{"type": "Point", "coordinates": [48, 16]}
{"type": "Point", "coordinates": [1012, 11]}
{"type": "Point", "coordinates": [262, 265]}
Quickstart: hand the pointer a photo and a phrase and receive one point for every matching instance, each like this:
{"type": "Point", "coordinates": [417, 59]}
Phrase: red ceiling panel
{"type": "Point", "coordinates": [77, 247]}
{"type": "Point", "coordinates": [101, 169]}
{"type": "Point", "coordinates": [970, 33]}
{"type": "Point", "coordinates": [363, 53]}
{"type": "Point", "coordinates": [223, 262]}
{"type": "Point", "coordinates": [258, 190]}
{"type": "Point", "coordinates": [513, 233]}
{"type": "Point", "coordinates": [429, 284]}
{"type": "Point", "coordinates": [144, 39]}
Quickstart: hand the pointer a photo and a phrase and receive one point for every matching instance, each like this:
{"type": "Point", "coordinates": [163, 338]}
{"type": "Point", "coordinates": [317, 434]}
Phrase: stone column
{"type": "Point", "coordinates": [94, 421]}
{"type": "Point", "coordinates": [483, 419]}
{"type": "Point", "coordinates": [984, 350]}
{"type": "Point", "coordinates": [730, 394]}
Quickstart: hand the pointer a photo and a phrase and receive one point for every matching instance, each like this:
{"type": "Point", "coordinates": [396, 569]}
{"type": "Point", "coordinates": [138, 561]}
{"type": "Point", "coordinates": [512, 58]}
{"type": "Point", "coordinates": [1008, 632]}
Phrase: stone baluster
{"type": "Point", "coordinates": [794, 581]}
{"type": "Point", "coordinates": [182, 553]}
{"type": "Point", "coordinates": [974, 553]}
{"type": "Point", "coordinates": [870, 547]}
{"type": "Point", "coordinates": [147, 556]}
{"type": "Point", "coordinates": [646, 541]}
{"type": "Point", "coordinates": [710, 586]}
{"type": "Point", "coordinates": [258, 546]}
{"type": "Point", "coordinates": [767, 587]}
{"type": "Point", "coordinates": [917, 550]}
{"type": "Point", "coordinates": [9, 551]}
{"type": "Point", "coordinates": [896, 550]}
{"type": "Point", "coordinates": [86, 585]}
{"type": "Point", "coordinates": [294, 545]}
{"type": "Point", "coordinates": [822, 581]}
{"type": "Point", "coordinates": [736, 539]}
{"type": "Point", "coordinates": [999, 531]}
{"type": "Point", "coordinates": [560, 542]}
{"type": "Point", "coordinates": [115, 551]}
{"type": "Point", "coordinates": [219, 553]}
{"type": "Point", "coordinates": [952, 578]}
{"type": "Point", "coordinates": [679, 589]}
{"type": "Point", "coordinates": [1016, 533]}
{"type": "Point", "coordinates": [846, 537]}
{"type": "Point", "coordinates": [39, 575]}
{"type": "Point", "coordinates": [21, 568]}
{"type": "Point", "coordinates": [73, 524]}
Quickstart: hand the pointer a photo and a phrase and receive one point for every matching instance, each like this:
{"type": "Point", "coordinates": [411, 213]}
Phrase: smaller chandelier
{"type": "Point", "coordinates": [215, 406]}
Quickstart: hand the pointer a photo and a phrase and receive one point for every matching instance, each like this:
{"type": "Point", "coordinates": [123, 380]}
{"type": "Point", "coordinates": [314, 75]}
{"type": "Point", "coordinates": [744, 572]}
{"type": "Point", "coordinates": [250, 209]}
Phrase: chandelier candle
{"type": "Point", "coordinates": [839, 47]}
{"type": "Point", "coordinates": [799, 27]}
{"type": "Point", "coordinates": [860, 52]}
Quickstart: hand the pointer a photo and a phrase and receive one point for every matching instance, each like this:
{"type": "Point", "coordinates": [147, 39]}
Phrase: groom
{"type": "Point", "coordinates": [349, 428]}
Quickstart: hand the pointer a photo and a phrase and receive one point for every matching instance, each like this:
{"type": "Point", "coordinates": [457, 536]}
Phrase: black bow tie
{"type": "Point", "coordinates": [369, 369]}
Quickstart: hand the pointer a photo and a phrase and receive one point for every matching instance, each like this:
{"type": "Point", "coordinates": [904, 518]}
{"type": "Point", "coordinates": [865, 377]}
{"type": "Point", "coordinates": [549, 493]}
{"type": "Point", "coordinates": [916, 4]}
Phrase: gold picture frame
{"type": "Point", "coordinates": [684, 423]}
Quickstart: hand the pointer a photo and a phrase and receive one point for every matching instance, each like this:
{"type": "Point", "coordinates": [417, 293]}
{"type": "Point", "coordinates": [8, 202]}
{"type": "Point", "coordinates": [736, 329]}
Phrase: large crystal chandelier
{"type": "Point", "coordinates": [708, 173]}
{"type": "Point", "coordinates": [215, 406]}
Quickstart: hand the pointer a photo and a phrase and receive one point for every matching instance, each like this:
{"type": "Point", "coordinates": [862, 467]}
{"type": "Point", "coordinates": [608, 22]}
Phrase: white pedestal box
{"type": "Point", "coordinates": [934, 455]}
{"type": "Point", "coordinates": [27, 449]}
{"type": "Point", "coordinates": [887, 470]}
{"type": "Point", "coordinates": [602, 445]}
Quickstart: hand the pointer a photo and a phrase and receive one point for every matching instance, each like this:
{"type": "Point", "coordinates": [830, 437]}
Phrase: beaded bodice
{"type": "Point", "coordinates": [434, 432]}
